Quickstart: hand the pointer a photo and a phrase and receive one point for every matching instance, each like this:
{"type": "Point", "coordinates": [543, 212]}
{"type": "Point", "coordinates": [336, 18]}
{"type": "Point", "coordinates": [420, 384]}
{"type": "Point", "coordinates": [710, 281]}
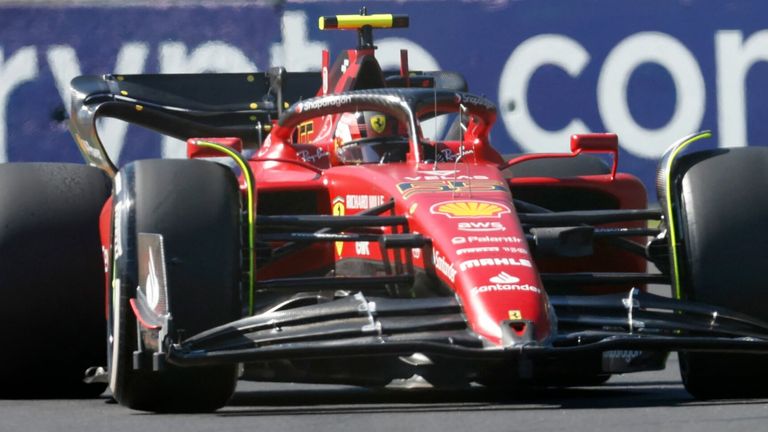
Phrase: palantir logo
{"type": "Point", "coordinates": [504, 278]}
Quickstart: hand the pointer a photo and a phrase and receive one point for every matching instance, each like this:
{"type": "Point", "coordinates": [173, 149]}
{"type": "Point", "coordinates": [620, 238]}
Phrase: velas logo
{"type": "Point", "coordinates": [469, 209]}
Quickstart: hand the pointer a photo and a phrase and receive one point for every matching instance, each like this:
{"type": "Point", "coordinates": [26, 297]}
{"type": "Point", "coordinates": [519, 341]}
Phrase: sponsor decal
{"type": "Point", "coordinates": [324, 102]}
{"type": "Point", "coordinates": [515, 315]}
{"type": "Point", "coordinates": [410, 189]}
{"type": "Point", "coordinates": [105, 255]}
{"type": "Point", "coordinates": [305, 131]}
{"type": "Point", "coordinates": [486, 239]}
{"type": "Point", "coordinates": [625, 355]}
{"type": "Point", "coordinates": [364, 202]}
{"type": "Point", "coordinates": [362, 248]}
{"type": "Point", "coordinates": [312, 157]}
{"type": "Point", "coordinates": [475, 100]}
{"type": "Point", "coordinates": [515, 250]}
{"type": "Point", "coordinates": [504, 287]}
{"type": "Point", "coordinates": [447, 155]}
{"type": "Point", "coordinates": [489, 262]}
{"type": "Point", "coordinates": [378, 123]}
{"type": "Point", "coordinates": [469, 209]}
{"type": "Point", "coordinates": [416, 252]}
{"type": "Point", "coordinates": [481, 226]}
{"type": "Point", "coordinates": [444, 267]}
{"type": "Point", "coordinates": [504, 277]}
{"type": "Point", "coordinates": [488, 249]}
{"type": "Point", "coordinates": [434, 176]}
{"type": "Point", "coordinates": [440, 173]}
{"type": "Point", "coordinates": [339, 210]}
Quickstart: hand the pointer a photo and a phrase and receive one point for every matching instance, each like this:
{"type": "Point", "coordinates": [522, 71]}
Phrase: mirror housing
{"type": "Point", "coordinates": [597, 143]}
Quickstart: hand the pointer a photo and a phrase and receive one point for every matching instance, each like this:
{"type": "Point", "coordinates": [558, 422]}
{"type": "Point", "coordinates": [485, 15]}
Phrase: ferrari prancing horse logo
{"type": "Point", "coordinates": [378, 123]}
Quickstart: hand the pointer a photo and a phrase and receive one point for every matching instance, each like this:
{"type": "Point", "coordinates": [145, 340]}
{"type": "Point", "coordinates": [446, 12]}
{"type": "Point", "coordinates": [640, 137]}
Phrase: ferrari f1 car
{"type": "Point", "coordinates": [320, 232]}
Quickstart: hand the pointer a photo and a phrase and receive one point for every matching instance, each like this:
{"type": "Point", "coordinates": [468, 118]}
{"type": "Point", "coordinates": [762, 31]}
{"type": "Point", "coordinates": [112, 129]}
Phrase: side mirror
{"type": "Point", "coordinates": [597, 143]}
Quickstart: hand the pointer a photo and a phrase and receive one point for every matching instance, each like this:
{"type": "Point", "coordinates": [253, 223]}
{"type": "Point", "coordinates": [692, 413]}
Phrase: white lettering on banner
{"type": "Point", "coordinates": [526, 59]}
{"type": "Point", "coordinates": [20, 68]}
{"type": "Point", "coordinates": [444, 267]}
{"type": "Point", "coordinates": [481, 226]}
{"type": "Point", "coordinates": [296, 53]}
{"type": "Point", "coordinates": [504, 287]}
{"type": "Point", "coordinates": [488, 262]}
{"type": "Point", "coordinates": [362, 248]}
{"type": "Point", "coordinates": [734, 58]}
{"type": "Point", "coordinates": [735, 55]}
{"type": "Point", "coordinates": [622, 61]}
{"type": "Point", "coordinates": [364, 202]}
{"type": "Point", "coordinates": [65, 66]}
{"type": "Point", "coordinates": [477, 250]}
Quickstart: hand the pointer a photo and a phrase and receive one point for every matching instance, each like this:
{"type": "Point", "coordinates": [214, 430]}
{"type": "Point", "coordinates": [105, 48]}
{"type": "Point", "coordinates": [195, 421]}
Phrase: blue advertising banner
{"type": "Point", "coordinates": [651, 71]}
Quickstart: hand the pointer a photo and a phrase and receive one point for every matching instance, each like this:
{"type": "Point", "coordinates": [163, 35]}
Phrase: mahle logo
{"type": "Point", "coordinates": [469, 209]}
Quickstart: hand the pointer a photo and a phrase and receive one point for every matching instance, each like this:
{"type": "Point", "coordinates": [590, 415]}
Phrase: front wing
{"type": "Point", "coordinates": [355, 325]}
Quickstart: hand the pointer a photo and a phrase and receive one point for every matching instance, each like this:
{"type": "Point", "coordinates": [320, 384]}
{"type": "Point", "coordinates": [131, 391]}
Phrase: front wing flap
{"type": "Point", "coordinates": [358, 326]}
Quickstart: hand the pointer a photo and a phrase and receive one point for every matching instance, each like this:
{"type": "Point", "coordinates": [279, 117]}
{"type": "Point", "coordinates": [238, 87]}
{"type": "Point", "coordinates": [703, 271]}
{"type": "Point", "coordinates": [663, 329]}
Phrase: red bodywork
{"type": "Point", "coordinates": [479, 250]}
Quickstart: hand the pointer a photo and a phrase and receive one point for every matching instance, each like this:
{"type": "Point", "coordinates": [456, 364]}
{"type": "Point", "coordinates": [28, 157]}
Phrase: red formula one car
{"type": "Point", "coordinates": [318, 233]}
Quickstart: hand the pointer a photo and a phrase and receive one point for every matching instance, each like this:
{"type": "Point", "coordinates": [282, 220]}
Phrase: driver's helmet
{"type": "Point", "coordinates": [369, 137]}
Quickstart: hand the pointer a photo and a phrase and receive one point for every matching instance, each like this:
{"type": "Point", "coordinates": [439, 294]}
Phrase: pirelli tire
{"type": "Point", "coordinates": [51, 279]}
{"type": "Point", "coordinates": [195, 206]}
{"type": "Point", "coordinates": [723, 219]}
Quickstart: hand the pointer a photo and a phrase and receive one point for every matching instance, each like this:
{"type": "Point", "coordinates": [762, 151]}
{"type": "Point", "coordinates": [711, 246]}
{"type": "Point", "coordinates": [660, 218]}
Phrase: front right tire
{"type": "Point", "coordinates": [723, 220]}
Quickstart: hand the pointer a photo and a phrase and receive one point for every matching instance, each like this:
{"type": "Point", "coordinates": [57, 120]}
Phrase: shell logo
{"type": "Point", "coordinates": [470, 209]}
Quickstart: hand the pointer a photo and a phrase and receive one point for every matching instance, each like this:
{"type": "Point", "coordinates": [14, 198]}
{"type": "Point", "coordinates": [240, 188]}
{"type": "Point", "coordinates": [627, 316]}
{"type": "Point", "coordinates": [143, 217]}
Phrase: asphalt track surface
{"type": "Point", "coordinates": [649, 401]}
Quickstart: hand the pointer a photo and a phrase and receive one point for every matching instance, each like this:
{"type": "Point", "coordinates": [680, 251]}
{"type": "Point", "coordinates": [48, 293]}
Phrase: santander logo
{"type": "Point", "coordinates": [504, 278]}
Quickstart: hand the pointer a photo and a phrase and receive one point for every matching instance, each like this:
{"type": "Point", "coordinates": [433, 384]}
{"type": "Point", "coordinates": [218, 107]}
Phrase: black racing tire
{"type": "Point", "coordinates": [581, 165]}
{"type": "Point", "coordinates": [195, 206]}
{"type": "Point", "coordinates": [723, 220]}
{"type": "Point", "coordinates": [51, 279]}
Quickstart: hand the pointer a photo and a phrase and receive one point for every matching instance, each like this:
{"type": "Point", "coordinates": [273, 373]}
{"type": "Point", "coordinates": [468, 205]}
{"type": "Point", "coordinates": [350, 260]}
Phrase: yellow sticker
{"type": "Point", "coordinates": [412, 210]}
{"type": "Point", "coordinates": [378, 123]}
{"type": "Point", "coordinates": [470, 209]}
{"type": "Point", "coordinates": [515, 315]}
{"type": "Point", "coordinates": [339, 210]}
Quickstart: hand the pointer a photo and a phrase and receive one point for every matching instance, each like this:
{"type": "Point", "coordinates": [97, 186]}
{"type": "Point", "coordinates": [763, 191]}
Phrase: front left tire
{"type": "Point", "coordinates": [51, 279]}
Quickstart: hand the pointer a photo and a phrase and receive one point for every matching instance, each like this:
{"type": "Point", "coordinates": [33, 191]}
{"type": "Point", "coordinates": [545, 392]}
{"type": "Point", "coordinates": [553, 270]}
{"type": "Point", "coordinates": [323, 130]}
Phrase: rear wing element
{"type": "Point", "coordinates": [185, 105]}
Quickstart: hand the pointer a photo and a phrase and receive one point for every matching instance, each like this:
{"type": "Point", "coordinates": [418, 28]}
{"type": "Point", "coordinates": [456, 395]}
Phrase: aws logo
{"type": "Point", "coordinates": [469, 209]}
